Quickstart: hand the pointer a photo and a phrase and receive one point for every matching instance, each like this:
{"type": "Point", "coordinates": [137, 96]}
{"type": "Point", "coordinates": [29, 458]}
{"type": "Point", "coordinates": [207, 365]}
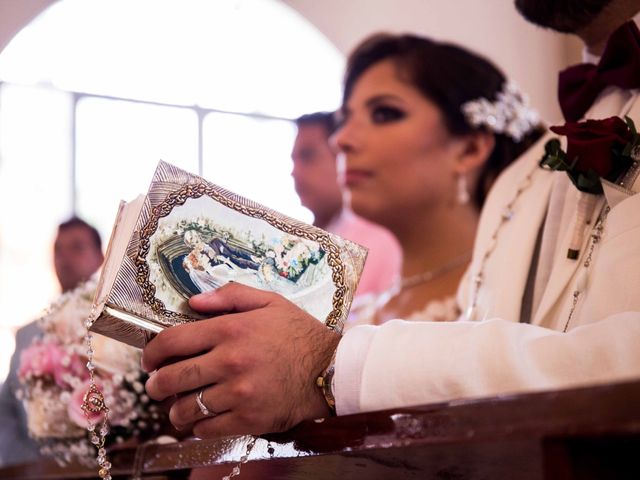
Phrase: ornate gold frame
{"type": "Point", "coordinates": [238, 204]}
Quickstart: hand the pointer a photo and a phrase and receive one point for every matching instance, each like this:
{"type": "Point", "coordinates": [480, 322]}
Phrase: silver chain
{"type": "Point", "coordinates": [243, 459]}
{"type": "Point", "coordinates": [94, 402]}
{"type": "Point", "coordinates": [506, 216]}
{"type": "Point", "coordinates": [596, 235]}
{"type": "Point", "coordinates": [402, 283]}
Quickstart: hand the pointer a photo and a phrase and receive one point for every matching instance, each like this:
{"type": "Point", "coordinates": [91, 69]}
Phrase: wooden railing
{"type": "Point", "coordinates": [584, 433]}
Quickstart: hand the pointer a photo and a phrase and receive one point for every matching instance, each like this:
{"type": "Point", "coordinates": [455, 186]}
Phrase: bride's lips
{"type": "Point", "coordinates": [354, 176]}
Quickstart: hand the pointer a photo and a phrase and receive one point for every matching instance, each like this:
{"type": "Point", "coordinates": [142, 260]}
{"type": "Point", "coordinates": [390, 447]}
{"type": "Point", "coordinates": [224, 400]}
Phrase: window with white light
{"type": "Point", "coordinates": [94, 93]}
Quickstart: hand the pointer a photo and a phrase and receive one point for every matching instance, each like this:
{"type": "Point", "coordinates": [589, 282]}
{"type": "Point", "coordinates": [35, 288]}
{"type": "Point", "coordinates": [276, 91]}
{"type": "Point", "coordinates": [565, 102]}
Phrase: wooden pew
{"type": "Point", "coordinates": [583, 433]}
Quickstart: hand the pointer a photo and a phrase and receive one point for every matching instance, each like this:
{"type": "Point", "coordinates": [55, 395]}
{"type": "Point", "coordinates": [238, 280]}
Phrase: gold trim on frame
{"type": "Point", "coordinates": [197, 190]}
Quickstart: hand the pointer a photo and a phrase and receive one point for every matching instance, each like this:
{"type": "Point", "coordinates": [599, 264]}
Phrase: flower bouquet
{"type": "Point", "coordinates": [54, 379]}
{"type": "Point", "coordinates": [293, 257]}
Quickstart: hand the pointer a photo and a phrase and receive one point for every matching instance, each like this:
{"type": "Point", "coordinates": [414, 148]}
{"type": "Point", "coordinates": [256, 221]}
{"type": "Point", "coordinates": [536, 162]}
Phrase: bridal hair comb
{"type": "Point", "coordinates": [510, 114]}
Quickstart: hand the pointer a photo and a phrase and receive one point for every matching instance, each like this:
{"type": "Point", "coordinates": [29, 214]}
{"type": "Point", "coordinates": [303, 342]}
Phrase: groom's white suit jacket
{"type": "Point", "coordinates": [409, 363]}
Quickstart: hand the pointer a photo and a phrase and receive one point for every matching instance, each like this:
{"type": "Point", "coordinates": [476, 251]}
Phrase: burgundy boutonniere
{"type": "Point", "coordinates": [596, 149]}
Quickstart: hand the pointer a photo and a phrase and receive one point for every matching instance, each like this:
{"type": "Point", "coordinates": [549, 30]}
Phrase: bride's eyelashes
{"type": "Point", "coordinates": [382, 114]}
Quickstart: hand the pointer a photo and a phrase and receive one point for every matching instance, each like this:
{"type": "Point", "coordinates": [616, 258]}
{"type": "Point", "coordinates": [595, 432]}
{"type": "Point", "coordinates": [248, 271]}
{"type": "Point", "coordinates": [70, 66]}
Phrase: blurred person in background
{"type": "Point", "coordinates": [77, 254]}
{"type": "Point", "coordinates": [315, 175]}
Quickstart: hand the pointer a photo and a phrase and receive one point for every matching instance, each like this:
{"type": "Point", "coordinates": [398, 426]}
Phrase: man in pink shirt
{"type": "Point", "coordinates": [315, 175]}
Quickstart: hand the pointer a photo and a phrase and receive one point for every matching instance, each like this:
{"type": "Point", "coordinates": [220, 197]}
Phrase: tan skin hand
{"type": "Point", "coordinates": [257, 361]}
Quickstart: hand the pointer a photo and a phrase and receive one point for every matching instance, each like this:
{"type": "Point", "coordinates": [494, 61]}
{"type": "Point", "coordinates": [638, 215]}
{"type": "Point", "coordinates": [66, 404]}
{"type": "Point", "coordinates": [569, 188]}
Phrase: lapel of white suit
{"type": "Point", "coordinates": [504, 274]}
{"type": "Point", "coordinates": [564, 269]}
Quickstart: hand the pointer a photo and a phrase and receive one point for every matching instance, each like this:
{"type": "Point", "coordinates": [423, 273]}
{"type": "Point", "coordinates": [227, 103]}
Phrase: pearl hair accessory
{"type": "Point", "coordinates": [510, 114]}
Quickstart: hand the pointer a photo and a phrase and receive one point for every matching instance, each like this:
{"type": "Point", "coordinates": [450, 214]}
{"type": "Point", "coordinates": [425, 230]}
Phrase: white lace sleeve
{"type": "Point", "coordinates": [443, 310]}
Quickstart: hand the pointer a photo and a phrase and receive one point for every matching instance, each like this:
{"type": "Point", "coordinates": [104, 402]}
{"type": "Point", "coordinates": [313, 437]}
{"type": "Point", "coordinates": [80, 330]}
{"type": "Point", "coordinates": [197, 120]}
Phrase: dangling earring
{"type": "Point", "coordinates": [462, 195]}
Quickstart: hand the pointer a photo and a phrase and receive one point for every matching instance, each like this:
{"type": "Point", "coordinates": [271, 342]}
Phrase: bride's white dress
{"type": "Point", "coordinates": [217, 275]}
{"type": "Point", "coordinates": [363, 312]}
{"type": "Point", "coordinates": [312, 292]}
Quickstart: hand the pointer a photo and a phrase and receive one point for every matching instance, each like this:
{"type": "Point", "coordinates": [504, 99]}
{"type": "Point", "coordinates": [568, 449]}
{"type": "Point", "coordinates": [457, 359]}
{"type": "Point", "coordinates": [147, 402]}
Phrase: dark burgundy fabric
{"type": "Point", "coordinates": [579, 85]}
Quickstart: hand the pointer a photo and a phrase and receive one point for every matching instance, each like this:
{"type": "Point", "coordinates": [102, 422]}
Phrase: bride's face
{"type": "Point", "coordinates": [397, 154]}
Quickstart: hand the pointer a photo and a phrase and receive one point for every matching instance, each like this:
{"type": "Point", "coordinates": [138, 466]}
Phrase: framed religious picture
{"type": "Point", "coordinates": [187, 236]}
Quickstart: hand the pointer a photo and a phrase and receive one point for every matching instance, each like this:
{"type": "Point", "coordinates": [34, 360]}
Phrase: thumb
{"type": "Point", "coordinates": [231, 297]}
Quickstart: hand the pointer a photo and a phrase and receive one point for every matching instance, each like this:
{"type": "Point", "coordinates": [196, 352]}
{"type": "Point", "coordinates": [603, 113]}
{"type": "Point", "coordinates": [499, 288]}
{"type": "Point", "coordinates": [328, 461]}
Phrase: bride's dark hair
{"type": "Point", "coordinates": [449, 76]}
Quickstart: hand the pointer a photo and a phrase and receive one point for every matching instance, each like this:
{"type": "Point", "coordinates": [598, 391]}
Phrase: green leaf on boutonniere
{"type": "Point", "coordinates": [555, 158]}
{"type": "Point", "coordinates": [596, 149]}
{"type": "Point", "coordinates": [631, 125]}
{"type": "Point", "coordinates": [634, 145]}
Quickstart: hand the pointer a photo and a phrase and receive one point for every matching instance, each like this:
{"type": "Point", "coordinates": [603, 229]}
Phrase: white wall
{"type": "Point", "coordinates": [528, 54]}
{"type": "Point", "coordinates": [15, 14]}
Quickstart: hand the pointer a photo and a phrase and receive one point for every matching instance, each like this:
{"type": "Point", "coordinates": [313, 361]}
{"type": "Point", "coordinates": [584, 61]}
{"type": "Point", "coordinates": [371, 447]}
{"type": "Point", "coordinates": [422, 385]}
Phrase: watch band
{"type": "Point", "coordinates": [325, 383]}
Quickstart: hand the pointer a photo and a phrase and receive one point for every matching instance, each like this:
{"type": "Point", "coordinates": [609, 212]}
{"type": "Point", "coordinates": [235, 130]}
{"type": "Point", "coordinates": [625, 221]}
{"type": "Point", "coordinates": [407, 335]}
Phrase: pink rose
{"type": "Point", "coordinates": [42, 359]}
{"type": "Point", "coordinates": [71, 364]}
{"type": "Point", "coordinates": [39, 359]}
{"type": "Point", "coordinates": [74, 409]}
